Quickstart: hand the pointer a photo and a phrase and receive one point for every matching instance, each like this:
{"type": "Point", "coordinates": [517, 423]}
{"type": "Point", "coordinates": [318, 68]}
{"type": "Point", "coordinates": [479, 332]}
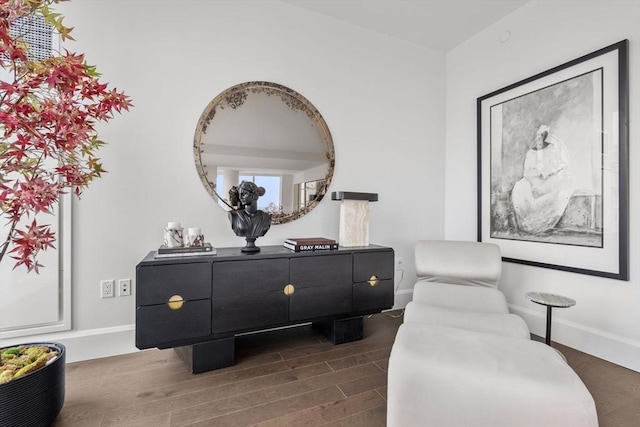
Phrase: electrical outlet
{"type": "Point", "coordinates": [399, 264]}
{"type": "Point", "coordinates": [107, 288]}
{"type": "Point", "coordinates": [124, 287]}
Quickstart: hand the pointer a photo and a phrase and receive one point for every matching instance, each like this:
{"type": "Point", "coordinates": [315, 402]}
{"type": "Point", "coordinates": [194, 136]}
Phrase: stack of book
{"type": "Point", "coordinates": [182, 251]}
{"type": "Point", "coordinates": [302, 244]}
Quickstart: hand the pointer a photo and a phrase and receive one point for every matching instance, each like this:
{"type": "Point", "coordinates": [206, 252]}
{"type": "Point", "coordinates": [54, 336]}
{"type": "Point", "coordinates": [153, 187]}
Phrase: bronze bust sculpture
{"type": "Point", "coordinates": [247, 221]}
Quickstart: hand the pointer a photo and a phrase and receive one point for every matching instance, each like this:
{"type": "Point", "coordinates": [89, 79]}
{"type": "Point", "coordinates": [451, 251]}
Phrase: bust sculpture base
{"type": "Point", "coordinates": [251, 245]}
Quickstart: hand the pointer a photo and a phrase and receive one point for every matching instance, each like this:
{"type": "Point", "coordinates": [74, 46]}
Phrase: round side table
{"type": "Point", "coordinates": [550, 300]}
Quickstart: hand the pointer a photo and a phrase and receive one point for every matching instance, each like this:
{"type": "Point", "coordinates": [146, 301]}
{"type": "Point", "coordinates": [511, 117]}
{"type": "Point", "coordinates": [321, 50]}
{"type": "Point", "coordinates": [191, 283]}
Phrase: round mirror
{"type": "Point", "coordinates": [269, 134]}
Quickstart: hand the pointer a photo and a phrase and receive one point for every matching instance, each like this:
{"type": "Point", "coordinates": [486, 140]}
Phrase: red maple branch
{"type": "Point", "coordinates": [48, 141]}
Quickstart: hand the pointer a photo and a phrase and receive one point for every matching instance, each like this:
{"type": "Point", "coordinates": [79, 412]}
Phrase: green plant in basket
{"type": "Point", "coordinates": [16, 362]}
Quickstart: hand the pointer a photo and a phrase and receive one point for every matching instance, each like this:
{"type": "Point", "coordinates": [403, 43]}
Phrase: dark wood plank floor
{"type": "Point", "coordinates": [291, 377]}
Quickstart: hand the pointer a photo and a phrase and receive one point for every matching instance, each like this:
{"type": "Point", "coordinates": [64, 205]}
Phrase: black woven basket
{"type": "Point", "coordinates": [35, 399]}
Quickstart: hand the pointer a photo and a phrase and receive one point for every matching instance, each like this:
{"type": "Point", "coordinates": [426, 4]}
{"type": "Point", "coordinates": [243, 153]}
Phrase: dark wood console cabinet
{"type": "Point", "coordinates": [197, 305]}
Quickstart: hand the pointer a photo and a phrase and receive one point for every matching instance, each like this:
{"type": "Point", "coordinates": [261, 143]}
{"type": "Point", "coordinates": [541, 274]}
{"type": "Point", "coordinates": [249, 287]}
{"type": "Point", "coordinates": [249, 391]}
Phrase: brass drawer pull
{"type": "Point", "coordinates": [175, 302]}
{"type": "Point", "coordinates": [373, 280]}
{"type": "Point", "coordinates": [289, 290]}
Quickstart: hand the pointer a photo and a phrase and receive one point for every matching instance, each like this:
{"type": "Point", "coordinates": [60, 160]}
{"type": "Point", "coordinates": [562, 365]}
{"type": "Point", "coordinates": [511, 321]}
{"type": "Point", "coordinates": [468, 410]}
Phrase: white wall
{"type": "Point", "coordinates": [382, 99]}
{"type": "Point", "coordinates": [606, 320]}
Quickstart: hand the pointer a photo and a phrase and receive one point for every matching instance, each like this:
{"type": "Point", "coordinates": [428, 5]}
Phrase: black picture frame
{"type": "Point", "coordinates": [553, 168]}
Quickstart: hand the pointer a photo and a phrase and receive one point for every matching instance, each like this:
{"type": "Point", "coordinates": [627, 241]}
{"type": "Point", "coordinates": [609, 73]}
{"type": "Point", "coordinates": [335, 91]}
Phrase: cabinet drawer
{"type": "Point", "coordinates": [322, 286]}
{"type": "Point", "coordinates": [157, 324]}
{"type": "Point", "coordinates": [156, 284]}
{"type": "Point", "coordinates": [372, 298]}
{"type": "Point", "coordinates": [379, 264]}
{"type": "Point", "coordinates": [317, 271]}
{"type": "Point", "coordinates": [307, 303]}
{"type": "Point", "coordinates": [249, 312]}
{"type": "Point", "coordinates": [236, 278]}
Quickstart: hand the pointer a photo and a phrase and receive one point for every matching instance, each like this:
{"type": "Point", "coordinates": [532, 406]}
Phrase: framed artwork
{"type": "Point", "coordinates": [553, 166]}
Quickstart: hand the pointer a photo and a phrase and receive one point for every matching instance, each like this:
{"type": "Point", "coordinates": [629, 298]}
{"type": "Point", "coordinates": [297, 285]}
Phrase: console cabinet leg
{"type": "Point", "coordinates": [340, 331]}
{"type": "Point", "coordinates": [208, 355]}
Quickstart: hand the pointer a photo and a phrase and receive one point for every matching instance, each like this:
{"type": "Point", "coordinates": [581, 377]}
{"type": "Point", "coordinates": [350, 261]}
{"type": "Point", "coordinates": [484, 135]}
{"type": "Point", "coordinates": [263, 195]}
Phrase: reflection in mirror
{"type": "Point", "coordinates": [271, 135]}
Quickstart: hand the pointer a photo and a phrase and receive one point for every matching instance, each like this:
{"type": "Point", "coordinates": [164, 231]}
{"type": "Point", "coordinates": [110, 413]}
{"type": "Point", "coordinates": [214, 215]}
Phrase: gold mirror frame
{"type": "Point", "coordinates": [234, 98]}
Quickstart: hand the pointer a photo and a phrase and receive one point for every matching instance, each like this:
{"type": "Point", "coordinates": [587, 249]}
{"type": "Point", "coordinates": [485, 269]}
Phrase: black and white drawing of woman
{"type": "Point", "coordinates": [250, 222]}
{"type": "Point", "coordinates": [541, 196]}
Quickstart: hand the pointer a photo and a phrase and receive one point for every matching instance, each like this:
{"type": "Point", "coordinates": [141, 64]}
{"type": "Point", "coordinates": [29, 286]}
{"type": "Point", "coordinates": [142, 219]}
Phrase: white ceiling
{"type": "Point", "coordinates": [436, 24]}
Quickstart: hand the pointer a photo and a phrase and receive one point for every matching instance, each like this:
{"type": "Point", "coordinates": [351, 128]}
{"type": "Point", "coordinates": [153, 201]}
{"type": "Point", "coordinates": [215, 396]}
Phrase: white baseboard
{"type": "Point", "coordinates": [89, 344]}
{"type": "Point", "coordinates": [604, 345]}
